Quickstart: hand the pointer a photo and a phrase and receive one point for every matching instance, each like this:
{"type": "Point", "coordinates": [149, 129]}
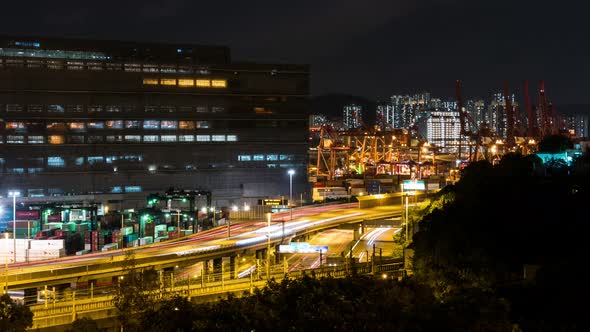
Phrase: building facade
{"type": "Point", "coordinates": [103, 117]}
{"type": "Point", "coordinates": [352, 116]}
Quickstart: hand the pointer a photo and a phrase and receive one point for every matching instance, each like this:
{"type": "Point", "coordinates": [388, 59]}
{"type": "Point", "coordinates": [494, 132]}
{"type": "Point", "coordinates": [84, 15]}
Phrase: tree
{"type": "Point", "coordinates": [85, 324]}
{"type": "Point", "coordinates": [136, 292]}
{"type": "Point", "coordinates": [14, 317]}
{"type": "Point", "coordinates": [555, 143]}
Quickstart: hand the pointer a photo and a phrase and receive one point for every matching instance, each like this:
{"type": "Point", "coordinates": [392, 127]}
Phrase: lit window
{"type": "Point", "coordinates": [272, 157]}
{"type": "Point", "coordinates": [79, 161]}
{"type": "Point", "coordinates": [33, 170]}
{"type": "Point", "coordinates": [186, 138]}
{"type": "Point", "coordinates": [202, 109]}
{"type": "Point", "coordinates": [271, 165]}
{"type": "Point", "coordinates": [132, 189]}
{"type": "Point", "coordinates": [15, 139]}
{"type": "Point", "coordinates": [186, 82]}
{"type": "Point", "coordinates": [76, 126]}
{"type": "Point", "coordinates": [55, 108]}
{"type": "Point", "coordinates": [151, 108]}
{"type": "Point", "coordinates": [114, 124]}
{"type": "Point", "coordinates": [168, 81]}
{"type": "Point", "coordinates": [114, 139]}
{"type": "Point", "coordinates": [203, 138]}
{"type": "Point", "coordinates": [258, 157]}
{"type": "Point", "coordinates": [15, 125]}
{"type": "Point", "coordinates": [113, 108]}
{"type": "Point", "coordinates": [60, 126]}
{"type": "Point", "coordinates": [133, 138]}
{"type": "Point", "coordinates": [55, 162]}
{"type": "Point", "coordinates": [286, 157]}
{"type": "Point", "coordinates": [116, 189]}
{"type": "Point", "coordinates": [95, 160]}
{"type": "Point", "coordinates": [131, 124]}
{"type": "Point", "coordinates": [55, 139]}
{"type": "Point", "coordinates": [150, 138]}
{"type": "Point", "coordinates": [95, 125]}
{"type": "Point", "coordinates": [187, 125]}
{"type": "Point", "coordinates": [36, 140]}
{"type": "Point", "coordinates": [232, 138]}
{"type": "Point", "coordinates": [151, 124]}
{"type": "Point", "coordinates": [217, 109]}
{"type": "Point", "coordinates": [16, 170]}
{"type": "Point", "coordinates": [245, 158]}
{"type": "Point", "coordinates": [168, 138]}
{"type": "Point", "coordinates": [202, 124]}
{"type": "Point", "coordinates": [150, 81]}
{"type": "Point", "coordinates": [168, 124]}
{"type": "Point", "coordinates": [203, 83]}
{"type": "Point", "coordinates": [219, 83]}
{"type": "Point", "coordinates": [218, 138]}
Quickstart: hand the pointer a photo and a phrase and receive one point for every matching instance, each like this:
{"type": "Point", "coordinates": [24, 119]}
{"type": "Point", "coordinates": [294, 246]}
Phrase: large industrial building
{"type": "Point", "coordinates": [80, 117]}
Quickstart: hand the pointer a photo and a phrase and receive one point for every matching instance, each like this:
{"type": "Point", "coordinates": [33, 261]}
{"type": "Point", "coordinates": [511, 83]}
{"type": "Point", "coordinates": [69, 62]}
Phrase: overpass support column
{"type": "Point", "coordinates": [355, 233]}
{"type": "Point", "coordinates": [232, 267]}
{"type": "Point", "coordinates": [206, 268]}
{"type": "Point", "coordinates": [217, 263]}
{"type": "Point", "coordinates": [362, 228]}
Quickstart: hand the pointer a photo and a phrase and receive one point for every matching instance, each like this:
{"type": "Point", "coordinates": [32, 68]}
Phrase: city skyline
{"type": "Point", "coordinates": [389, 47]}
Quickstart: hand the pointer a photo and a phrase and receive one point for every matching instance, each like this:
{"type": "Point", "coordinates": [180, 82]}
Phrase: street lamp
{"type": "Point", "coordinates": [268, 215]}
{"type": "Point", "coordinates": [291, 172]}
{"type": "Point", "coordinates": [14, 194]}
{"type": "Point", "coordinates": [407, 223]}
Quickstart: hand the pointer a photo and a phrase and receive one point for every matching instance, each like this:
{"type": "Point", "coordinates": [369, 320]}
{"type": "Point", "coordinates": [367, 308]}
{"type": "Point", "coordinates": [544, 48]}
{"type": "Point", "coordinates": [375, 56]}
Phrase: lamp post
{"type": "Point", "coordinates": [291, 172]}
{"type": "Point", "coordinates": [178, 221]}
{"type": "Point", "coordinates": [14, 194]}
{"type": "Point", "coordinates": [268, 215]}
{"type": "Point", "coordinates": [407, 222]}
{"type": "Point", "coordinates": [204, 211]}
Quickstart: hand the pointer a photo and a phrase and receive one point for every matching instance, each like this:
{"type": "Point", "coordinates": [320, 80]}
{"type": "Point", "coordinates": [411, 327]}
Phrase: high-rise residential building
{"type": "Point", "coordinates": [385, 115]}
{"type": "Point", "coordinates": [497, 113]}
{"type": "Point", "coordinates": [477, 111]}
{"type": "Point", "coordinates": [578, 123]}
{"type": "Point", "coordinates": [317, 120]}
{"type": "Point", "coordinates": [407, 108]}
{"type": "Point", "coordinates": [90, 116]}
{"type": "Point", "coordinates": [443, 129]}
{"type": "Point", "coordinates": [352, 116]}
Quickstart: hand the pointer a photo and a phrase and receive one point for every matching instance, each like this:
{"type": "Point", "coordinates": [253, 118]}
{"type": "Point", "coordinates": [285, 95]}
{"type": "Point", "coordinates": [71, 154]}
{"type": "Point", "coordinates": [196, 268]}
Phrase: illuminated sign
{"type": "Point", "coordinates": [272, 202]}
{"type": "Point", "coordinates": [413, 185]}
{"type": "Point", "coordinates": [301, 248]}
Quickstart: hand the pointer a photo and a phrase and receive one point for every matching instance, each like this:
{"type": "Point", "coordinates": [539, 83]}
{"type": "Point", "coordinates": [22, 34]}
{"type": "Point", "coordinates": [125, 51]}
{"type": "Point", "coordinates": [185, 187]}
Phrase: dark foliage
{"type": "Point", "coordinates": [14, 317]}
{"type": "Point", "coordinates": [502, 219]}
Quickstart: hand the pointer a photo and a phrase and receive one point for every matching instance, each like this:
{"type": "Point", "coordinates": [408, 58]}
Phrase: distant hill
{"type": "Point", "coordinates": [332, 105]}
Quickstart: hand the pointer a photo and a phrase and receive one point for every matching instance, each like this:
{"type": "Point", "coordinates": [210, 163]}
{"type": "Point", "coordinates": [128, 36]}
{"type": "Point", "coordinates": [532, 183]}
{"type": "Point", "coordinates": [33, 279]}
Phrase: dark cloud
{"type": "Point", "coordinates": [368, 48]}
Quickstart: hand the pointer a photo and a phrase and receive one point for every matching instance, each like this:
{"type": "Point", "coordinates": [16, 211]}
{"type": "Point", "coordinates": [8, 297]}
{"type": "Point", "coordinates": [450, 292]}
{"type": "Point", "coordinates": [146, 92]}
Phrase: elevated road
{"type": "Point", "coordinates": [213, 244]}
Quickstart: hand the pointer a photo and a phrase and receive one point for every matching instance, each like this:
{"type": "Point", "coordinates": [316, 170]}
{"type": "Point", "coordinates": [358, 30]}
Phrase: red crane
{"type": "Point", "coordinates": [529, 110]}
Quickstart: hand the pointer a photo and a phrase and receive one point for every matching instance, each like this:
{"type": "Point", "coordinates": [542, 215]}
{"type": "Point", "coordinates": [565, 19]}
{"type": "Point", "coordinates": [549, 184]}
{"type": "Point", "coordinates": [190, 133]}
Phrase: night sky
{"type": "Point", "coordinates": [369, 48]}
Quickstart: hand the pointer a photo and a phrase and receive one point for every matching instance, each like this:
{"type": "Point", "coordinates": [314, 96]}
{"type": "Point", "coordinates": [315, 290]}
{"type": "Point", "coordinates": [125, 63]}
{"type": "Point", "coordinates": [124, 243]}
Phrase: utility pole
{"type": "Point", "coordinates": [268, 215]}
{"type": "Point", "coordinates": [407, 221]}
